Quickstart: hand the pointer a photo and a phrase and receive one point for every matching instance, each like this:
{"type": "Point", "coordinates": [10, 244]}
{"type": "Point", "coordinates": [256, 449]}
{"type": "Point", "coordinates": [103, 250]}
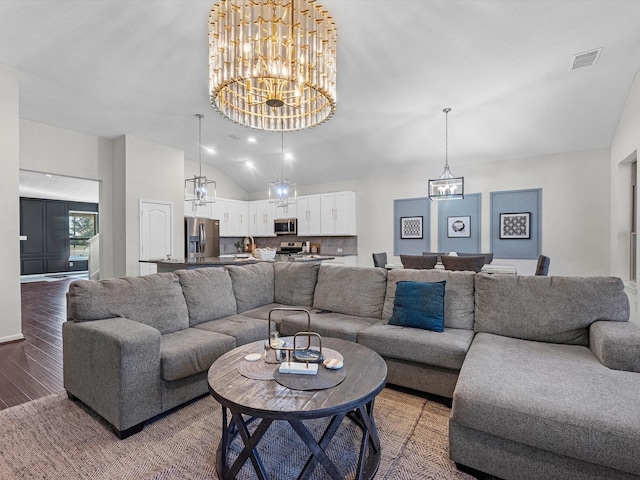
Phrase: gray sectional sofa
{"type": "Point", "coordinates": [544, 372]}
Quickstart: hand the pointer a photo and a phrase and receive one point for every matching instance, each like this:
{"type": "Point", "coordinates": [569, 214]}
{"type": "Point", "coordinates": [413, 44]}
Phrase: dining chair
{"type": "Point", "coordinates": [380, 259]}
{"type": "Point", "coordinates": [542, 268]}
{"type": "Point", "coordinates": [488, 257]}
{"type": "Point", "coordinates": [419, 262]}
{"type": "Point", "coordinates": [465, 263]}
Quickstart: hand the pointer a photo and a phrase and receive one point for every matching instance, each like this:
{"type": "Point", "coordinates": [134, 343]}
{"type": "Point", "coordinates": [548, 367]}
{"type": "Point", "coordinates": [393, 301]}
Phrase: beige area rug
{"type": "Point", "coordinates": [56, 438]}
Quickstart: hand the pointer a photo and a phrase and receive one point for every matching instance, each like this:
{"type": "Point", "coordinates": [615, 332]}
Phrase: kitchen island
{"type": "Point", "coordinates": [174, 264]}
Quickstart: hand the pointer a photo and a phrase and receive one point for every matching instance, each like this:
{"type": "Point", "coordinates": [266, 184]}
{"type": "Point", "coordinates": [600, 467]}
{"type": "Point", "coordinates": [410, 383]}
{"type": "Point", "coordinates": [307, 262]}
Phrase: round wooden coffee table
{"type": "Point", "coordinates": [266, 401]}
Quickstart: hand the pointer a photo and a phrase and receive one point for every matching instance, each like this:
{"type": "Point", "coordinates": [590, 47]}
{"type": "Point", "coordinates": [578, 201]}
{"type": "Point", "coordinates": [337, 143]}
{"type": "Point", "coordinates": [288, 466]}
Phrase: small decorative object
{"type": "Point", "coordinates": [238, 246]}
{"type": "Point", "coordinates": [458, 227]}
{"type": "Point", "coordinates": [252, 357]}
{"type": "Point", "coordinates": [307, 357]}
{"type": "Point", "coordinates": [410, 227]}
{"type": "Point", "coordinates": [333, 363]}
{"type": "Point", "coordinates": [515, 226]}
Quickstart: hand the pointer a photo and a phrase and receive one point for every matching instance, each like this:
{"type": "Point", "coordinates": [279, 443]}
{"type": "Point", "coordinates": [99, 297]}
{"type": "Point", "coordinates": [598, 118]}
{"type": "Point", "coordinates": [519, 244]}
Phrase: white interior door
{"type": "Point", "coordinates": [156, 240]}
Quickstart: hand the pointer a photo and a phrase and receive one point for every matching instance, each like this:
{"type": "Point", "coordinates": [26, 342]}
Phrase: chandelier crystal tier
{"type": "Point", "coordinates": [197, 189]}
{"type": "Point", "coordinates": [282, 192]}
{"type": "Point", "coordinates": [448, 186]}
{"type": "Point", "coordinates": [272, 63]}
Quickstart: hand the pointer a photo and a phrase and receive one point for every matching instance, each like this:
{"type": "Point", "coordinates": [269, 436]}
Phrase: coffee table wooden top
{"type": "Point", "coordinates": [366, 374]}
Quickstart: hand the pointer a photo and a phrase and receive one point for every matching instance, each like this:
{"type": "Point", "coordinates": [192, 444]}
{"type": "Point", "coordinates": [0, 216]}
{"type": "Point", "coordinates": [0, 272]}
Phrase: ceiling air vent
{"type": "Point", "coordinates": [233, 136]}
{"type": "Point", "coordinates": [585, 59]}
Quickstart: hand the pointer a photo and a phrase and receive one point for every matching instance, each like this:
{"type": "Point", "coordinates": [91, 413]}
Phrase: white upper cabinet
{"type": "Point", "coordinates": [338, 213]}
{"type": "Point", "coordinates": [262, 213]}
{"type": "Point", "coordinates": [309, 215]}
{"type": "Point", "coordinates": [199, 211]}
{"type": "Point", "coordinates": [233, 216]}
{"type": "Point", "coordinates": [290, 212]}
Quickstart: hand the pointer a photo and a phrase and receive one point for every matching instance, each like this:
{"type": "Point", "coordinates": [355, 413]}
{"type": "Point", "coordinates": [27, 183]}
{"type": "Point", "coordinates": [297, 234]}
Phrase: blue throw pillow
{"type": "Point", "coordinates": [419, 305]}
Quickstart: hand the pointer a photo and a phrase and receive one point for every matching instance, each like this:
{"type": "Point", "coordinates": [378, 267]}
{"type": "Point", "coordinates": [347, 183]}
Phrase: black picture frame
{"type": "Point", "coordinates": [515, 226]}
{"type": "Point", "coordinates": [411, 228]}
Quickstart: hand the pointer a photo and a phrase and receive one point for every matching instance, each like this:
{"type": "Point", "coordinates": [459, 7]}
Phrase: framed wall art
{"type": "Point", "coordinates": [515, 226]}
{"type": "Point", "coordinates": [459, 227]}
{"type": "Point", "coordinates": [410, 227]}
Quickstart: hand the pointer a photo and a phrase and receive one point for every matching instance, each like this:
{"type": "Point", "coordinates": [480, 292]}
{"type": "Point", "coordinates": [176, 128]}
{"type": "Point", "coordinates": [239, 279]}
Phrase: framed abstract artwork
{"type": "Point", "coordinates": [459, 227]}
{"type": "Point", "coordinates": [515, 226]}
{"type": "Point", "coordinates": [410, 227]}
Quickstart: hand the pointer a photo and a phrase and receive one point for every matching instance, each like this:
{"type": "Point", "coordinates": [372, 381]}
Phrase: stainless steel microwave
{"type": "Point", "coordinates": [285, 226]}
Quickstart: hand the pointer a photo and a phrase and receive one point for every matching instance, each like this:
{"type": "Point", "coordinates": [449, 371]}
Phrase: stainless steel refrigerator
{"type": "Point", "coordinates": [202, 238]}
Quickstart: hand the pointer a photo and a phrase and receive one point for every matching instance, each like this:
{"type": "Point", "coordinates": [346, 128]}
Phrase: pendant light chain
{"type": "Point", "coordinates": [446, 137]}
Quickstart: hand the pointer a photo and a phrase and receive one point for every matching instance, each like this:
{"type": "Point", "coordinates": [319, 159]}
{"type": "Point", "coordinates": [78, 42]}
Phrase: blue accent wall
{"type": "Point", "coordinates": [516, 201]}
{"type": "Point", "coordinates": [412, 207]}
{"type": "Point", "coordinates": [470, 205]}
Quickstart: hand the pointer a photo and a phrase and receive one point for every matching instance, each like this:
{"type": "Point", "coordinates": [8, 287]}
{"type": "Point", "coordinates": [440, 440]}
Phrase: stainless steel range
{"type": "Point", "coordinates": [287, 250]}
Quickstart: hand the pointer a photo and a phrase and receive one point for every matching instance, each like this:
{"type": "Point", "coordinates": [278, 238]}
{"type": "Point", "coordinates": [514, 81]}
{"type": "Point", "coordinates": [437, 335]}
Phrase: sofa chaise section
{"type": "Point", "coordinates": [535, 398]}
{"type": "Point", "coordinates": [422, 359]}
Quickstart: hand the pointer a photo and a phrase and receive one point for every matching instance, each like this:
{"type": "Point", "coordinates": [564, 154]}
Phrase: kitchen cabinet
{"type": "Point", "coordinates": [309, 215]}
{"type": "Point", "coordinates": [198, 211]}
{"type": "Point", "coordinates": [290, 212]}
{"type": "Point", "coordinates": [262, 213]}
{"type": "Point", "coordinates": [338, 213]}
{"type": "Point", "coordinates": [233, 216]}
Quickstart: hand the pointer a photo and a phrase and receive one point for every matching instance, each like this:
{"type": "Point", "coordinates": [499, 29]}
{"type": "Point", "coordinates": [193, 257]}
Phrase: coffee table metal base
{"type": "Point", "coordinates": [238, 424]}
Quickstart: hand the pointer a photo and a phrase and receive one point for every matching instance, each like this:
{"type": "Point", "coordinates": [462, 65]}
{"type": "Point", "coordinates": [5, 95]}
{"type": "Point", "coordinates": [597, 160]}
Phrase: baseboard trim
{"type": "Point", "coordinates": [12, 338]}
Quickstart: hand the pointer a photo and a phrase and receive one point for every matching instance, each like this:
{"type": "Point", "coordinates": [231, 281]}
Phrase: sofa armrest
{"type": "Point", "coordinates": [113, 366]}
{"type": "Point", "coordinates": [616, 344]}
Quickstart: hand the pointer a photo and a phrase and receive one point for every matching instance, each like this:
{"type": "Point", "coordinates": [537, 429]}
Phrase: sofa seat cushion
{"type": "Point", "coordinates": [547, 309]}
{"type": "Point", "coordinates": [263, 312]}
{"type": "Point", "coordinates": [554, 397]}
{"type": "Point", "coordinates": [442, 349]}
{"type": "Point", "coordinates": [327, 324]}
{"type": "Point", "coordinates": [253, 285]}
{"type": "Point", "coordinates": [155, 300]}
{"type": "Point", "coordinates": [295, 282]}
{"type": "Point", "coordinates": [351, 290]}
{"type": "Point", "coordinates": [244, 329]}
{"type": "Point", "coordinates": [191, 351]}
{"type": "Point", "coordinates": [459, 300]}
{"type": "Point", "coordinates": [209, 294]}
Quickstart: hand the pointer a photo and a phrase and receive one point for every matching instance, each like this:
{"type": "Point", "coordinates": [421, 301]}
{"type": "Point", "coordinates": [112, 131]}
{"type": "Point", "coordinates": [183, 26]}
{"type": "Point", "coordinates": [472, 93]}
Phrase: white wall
{"type": "Point", "coordinates": [575, 219]}
{"type": "Point", "coordinates": [624, 148]}
{"type": "Point", "coordinates": [10, 320]}
{"type": "Point", "coordinates": [154, 172]}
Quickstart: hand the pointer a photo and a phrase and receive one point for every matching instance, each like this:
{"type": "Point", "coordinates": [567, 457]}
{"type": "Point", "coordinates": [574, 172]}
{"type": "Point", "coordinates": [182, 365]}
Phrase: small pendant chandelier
{"type": "Point", "coordinates": [281, 192]}
{"type": "Point", "coordinates": [447, 187]}
{"type": "Point", "coordinates": [197, 189]}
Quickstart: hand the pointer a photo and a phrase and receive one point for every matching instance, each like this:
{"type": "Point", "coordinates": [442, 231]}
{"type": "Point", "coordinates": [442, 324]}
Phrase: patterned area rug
{"type": "Point", "coordinates": [55, 438]}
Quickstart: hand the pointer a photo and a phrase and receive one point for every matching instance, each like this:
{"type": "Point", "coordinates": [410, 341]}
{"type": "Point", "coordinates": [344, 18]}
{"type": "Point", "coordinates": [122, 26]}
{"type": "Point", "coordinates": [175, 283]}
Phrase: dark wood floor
{"type": "Point", "coordinates": [32, 368]}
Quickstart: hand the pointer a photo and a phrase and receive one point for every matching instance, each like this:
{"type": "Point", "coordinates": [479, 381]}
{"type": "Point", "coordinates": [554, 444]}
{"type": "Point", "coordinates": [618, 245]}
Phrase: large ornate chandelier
{"type": "Point", "coordinates": [272, 63]}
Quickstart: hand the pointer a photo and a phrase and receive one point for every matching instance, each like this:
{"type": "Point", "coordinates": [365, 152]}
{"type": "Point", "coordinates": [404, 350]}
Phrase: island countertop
{"type": "Point", "coordinates": [174, 264]}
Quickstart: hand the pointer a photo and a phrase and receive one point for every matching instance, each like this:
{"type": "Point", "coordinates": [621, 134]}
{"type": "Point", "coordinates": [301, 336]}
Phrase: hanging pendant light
{"type": "Point", "coordinates": [272, 63]}
{"type": "Point", "coordinates": [198, 189]}
{"type": "Point", "coordinates": [447, 187]}
{"type": "Point", "coordinates": [281, 192]}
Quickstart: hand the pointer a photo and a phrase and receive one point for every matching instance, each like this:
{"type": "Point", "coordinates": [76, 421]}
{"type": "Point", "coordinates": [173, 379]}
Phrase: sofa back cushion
{"type": "Point", "coordinates": [253, 285]}
{"type": "Point", "coordinates": [355, 291]}
{"type": "Point", "coordinates": [547, 309]}
{"type": "Point", "coordinates": [154, 300]}
{"type": "Point", "coordinates": [209, 294]}
{"type": "Point", "coordinates": [458, 293]}
{"type": "Point", "coordinates": [295, 283]}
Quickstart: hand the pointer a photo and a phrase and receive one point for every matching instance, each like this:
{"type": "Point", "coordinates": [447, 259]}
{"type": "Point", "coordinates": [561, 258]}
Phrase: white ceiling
{"type": "Point", "coordinates": [110, 68]}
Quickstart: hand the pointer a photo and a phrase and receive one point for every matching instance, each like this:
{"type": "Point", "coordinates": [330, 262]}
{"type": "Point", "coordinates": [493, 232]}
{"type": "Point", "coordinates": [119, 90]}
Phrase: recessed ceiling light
{"type": "Point", "coordinates": [252, 140]}
{"type": "Point", "coordinates": [210, 150]}
{"type": "Point", "coordinates": [48, 175]}
{"type": "Point", "coordinates": [249, 164]}
{"type": "Point", "coordinates": [288, 156]}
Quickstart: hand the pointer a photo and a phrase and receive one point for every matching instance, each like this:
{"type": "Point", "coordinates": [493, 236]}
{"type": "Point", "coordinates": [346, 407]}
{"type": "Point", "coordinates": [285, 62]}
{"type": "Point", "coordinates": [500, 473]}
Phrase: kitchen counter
{"type": "Point", "coordinates": [309, 258]}
{"type": "Point", "coordinates": [190, 264]}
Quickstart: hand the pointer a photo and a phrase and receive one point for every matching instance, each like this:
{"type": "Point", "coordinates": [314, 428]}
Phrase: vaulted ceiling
{"type": "Point", "coordinates": [140, 68]}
